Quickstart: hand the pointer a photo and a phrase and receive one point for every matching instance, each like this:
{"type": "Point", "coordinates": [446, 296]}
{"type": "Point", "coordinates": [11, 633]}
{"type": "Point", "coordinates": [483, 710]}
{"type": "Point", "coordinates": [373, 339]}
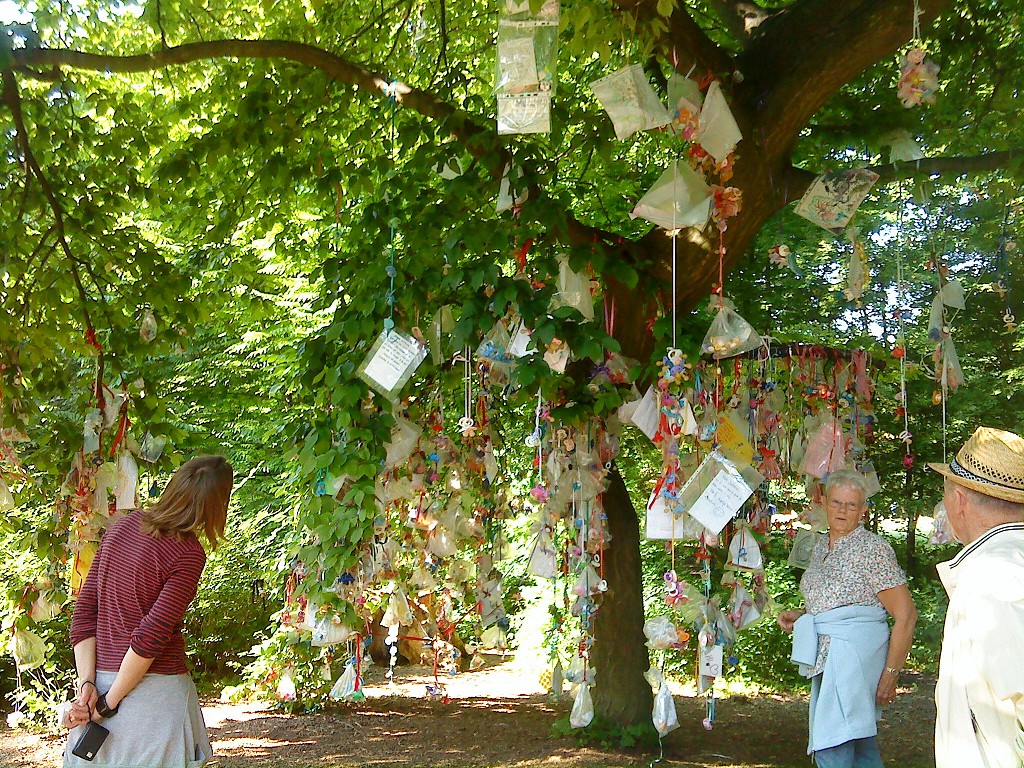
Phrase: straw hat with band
{"type": "Point", "coordinates": [991, 462]}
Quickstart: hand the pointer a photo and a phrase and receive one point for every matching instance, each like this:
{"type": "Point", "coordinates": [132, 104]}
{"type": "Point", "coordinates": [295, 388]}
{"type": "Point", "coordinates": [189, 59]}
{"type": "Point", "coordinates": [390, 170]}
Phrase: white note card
{"type": "Point", "coordinates": [711, 661]}
{"type": "Point", "coordinates": [721, 500]}
{"type": "Point", "coordinates": [391, 362]}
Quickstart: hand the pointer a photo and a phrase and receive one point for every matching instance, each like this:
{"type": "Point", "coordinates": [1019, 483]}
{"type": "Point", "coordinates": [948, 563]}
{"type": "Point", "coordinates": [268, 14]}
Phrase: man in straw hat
{"type": "Point", "coordinates": [980, 693]}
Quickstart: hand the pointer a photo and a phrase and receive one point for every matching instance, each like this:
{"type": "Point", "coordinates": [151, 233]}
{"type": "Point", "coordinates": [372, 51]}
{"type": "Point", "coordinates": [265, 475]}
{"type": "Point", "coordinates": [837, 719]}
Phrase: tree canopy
{"type": "Point", "coordinates": [262, 181]}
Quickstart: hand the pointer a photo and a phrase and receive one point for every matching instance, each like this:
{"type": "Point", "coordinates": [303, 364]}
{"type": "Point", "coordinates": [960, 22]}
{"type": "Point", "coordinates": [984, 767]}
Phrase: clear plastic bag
{"type": "Point", "coordinates": [947, 369]}
{"type": "Point", "coordinates": [6, 497]}
{"type": "Point", "coordinates": [942, 532]}
{"type": "Point", "coordinates": [630, 101]}
{"type": "Point", "coordinates": [729, 334]}
{"type": "Point", "coordinates": [803, 546]}
{"type": "Point", "coordinates": [28, 649]}
{"type": "Point", "coordinates": [441, 543]}
{"type": "Point", "coordinates": [661, 633]}
{"type": "Point", "coordinates": [582, 713]}
{"type": "Point", "coordinates": [345, 687]}
{"type": "Point", "coordinates": [679, 198]}
{"type": "Point", "coordinates": [664, 716]}
{"type": "Point", "coordinates": [398, 614]}
{"type": "Point", "coordinates": [573, 290]}
{"type": "Point", "coordinates": [825, 453]}
{"type": "Point", "coordinates": [717, 132]}
{"type": "Point", "coordinates": [522, 113]}
{"type": "Point", "coordinates": [286, 685]}
{"type": "Point", "coordinates": [744, 551]}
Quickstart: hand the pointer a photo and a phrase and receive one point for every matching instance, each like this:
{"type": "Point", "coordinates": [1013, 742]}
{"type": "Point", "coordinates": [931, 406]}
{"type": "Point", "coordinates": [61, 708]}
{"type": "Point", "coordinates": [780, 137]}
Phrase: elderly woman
{"type": "Point", "coordinates": [842, 640]}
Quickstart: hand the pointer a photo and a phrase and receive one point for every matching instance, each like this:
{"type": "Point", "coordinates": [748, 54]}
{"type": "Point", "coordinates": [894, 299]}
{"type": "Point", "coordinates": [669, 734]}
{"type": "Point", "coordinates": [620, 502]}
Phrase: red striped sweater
{"type": "Point", "coordinates": [136, 594]}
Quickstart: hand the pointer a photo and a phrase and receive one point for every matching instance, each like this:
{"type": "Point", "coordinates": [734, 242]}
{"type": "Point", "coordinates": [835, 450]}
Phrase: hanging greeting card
{"type": "Point", "coordinates": [679, 198]}
{"type": "Point", "coordinates": [717, 131]}
{"type": "Point", "coordinates": [391, 362]}
{"type": "Point", "coordinates": [630, 101]}
{"type": "Point", "coordinates": [524, 113]}
{"type": "Point", "coordinates": [833, 198]}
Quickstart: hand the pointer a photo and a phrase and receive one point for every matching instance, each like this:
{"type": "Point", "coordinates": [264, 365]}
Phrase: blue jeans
{"type": "Point", "coordinates": [858, 753]}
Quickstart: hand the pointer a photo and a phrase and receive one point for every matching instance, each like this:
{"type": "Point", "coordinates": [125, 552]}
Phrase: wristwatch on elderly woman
{"type": "Point", "coordinates": [893, 671]}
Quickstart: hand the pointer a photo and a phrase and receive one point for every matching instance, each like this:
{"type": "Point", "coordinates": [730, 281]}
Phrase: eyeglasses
{"type": "Point", "coordinates": [850, 506]}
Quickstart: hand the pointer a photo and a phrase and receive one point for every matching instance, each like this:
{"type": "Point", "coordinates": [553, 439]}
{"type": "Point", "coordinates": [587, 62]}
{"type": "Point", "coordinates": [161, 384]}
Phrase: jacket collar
{"type": "Point", "coordinates": [948, 572]}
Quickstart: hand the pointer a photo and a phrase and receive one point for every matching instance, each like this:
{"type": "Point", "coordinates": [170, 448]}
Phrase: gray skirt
{"type": "Point", "coordinates": [157, 725]}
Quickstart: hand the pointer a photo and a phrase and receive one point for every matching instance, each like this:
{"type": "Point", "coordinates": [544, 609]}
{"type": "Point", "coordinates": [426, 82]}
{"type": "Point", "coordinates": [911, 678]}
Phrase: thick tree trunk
{"type": "Point", "coordinates": [619, 654]}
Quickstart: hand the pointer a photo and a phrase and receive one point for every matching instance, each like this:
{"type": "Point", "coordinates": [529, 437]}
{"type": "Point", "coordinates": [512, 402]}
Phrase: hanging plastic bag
{"type": "Point", "coordinates": [717, 132]}
{"type": "Point", "coordinates": [803, 546]}
{"type": "Point", "coordinates": [328, 630]}
{"type": "Point", "coordinates": [833, 198]}
{"type": "Point", "coordinates": [630, 101]}
{"type": "Point", "coordinates": [582, 713]}
{"type": "Point", "coordinates": [942, 532]}
{"type": "Point", "coordinates": [127, 481]}
{"type": "Point", "coordinates": [665, 718]}
{"type": "Point", "coordinates": [512, 190]}
{"type": "Point", "coordinates": [825, 453]}
{"type": "Point", "coordinates": [28, 649]}
{"type": "Point", "coordinates": [557, 681]}
{"type": "Point", "coordinates": [867, 470]}
{"type": "Point", "coordinates": [403, 442]}
{"type": "Point", "coordinates": [679, 198]}
{"type": "Point", "coordinates": [286, 685]}
{"type": "Point", "coordinates": [523, 113]}
{"type": "Point", "coordinates": [661, 633]}
{"type": "Point", "coordinates": [769, 466]}
{"type": "Point", "coordinates": [441, 543]}
{"type": "Point", "coordinates": [729, 334]}
{"type": "Point", "coordinates": [346, 683]}
{"type": "Point", "coordinates": [744, 551]}
{"type": "Point", "coordinates": [952, 294]}
{"type": "Point", "coordinates": [947, 369]}
{"type": "Point", "coordinates": [398, 612]}
{"type": "Point", "coordinates": [742, 611]}
{"type": "Point", "coordinates": [936, 324]}
{"type": "Point", "coordinates": [685, 101]}
{"type": "Point", "coordinates": [573, 291]}
{"type": "Point", "coordinates": [6, 497]}
{"type": "Point", "coordinates": [903, 148]}
{"type": "Point", "coordinates": [543, 558]}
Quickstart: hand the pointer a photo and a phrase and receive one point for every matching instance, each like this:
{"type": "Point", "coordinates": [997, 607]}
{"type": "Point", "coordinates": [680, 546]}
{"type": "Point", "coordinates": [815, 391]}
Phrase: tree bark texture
{"type": "Point", "coordinates": [619, 653]}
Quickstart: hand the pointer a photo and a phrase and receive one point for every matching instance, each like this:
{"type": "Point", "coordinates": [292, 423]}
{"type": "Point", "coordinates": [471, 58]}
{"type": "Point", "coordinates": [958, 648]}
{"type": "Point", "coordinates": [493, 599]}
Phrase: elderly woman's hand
{"type": "Point", "coordinates": [786, 619]}
{"type": "Point", "coordinates": [885, 693]}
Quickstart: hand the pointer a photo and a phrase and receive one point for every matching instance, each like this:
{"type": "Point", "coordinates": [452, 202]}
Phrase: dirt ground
{"type": "Point", "coordinates": [498, 716]}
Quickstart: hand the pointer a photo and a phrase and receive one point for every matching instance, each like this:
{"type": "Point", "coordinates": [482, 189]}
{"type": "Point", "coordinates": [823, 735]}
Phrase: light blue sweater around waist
{"type": "Point", "coordinates": [843, 695]}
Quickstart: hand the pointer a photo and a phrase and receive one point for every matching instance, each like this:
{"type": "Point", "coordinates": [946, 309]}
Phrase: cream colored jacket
{"type": "Point", "coordinates": [980, 694]}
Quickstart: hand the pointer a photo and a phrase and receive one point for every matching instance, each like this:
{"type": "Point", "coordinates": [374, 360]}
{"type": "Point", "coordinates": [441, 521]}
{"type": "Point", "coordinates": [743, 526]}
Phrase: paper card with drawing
{"type": "Point", "coordinates": [391, 361]}
{"type": "Point", "coordinates": [711, 661]}
{"type": "Point", "coordinates": [833, 198]}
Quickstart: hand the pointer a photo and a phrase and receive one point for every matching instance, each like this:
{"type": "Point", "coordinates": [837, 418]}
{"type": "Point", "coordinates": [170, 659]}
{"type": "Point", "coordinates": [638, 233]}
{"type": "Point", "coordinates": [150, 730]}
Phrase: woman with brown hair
{"type": "Point", "coordinates": [126, 627]}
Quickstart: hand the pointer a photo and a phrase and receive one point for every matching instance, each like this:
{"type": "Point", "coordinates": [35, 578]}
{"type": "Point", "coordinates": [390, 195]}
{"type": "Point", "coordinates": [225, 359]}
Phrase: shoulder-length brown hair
{"type": "Point", "coordinates": [196, 500]}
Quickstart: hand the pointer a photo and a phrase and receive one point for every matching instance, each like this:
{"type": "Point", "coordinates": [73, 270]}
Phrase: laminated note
{"type": "Point", "coordinates": [517, 64]}
{"type": "Point", "coordinates": [716, 491]}
{"type": "Point", "coordinates": [392, 360]}
{"type": "Point", "coordinates": [524, 113]}
{"type": "Point", "coordinates": [833, 198]}
{"type": "Point", "coordinates": [630, 102]}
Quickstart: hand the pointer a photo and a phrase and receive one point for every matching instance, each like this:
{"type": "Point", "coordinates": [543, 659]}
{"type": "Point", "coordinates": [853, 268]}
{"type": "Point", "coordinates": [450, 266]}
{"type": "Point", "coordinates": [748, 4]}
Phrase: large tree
{"type": "Point", "coordinates": [148, 148]}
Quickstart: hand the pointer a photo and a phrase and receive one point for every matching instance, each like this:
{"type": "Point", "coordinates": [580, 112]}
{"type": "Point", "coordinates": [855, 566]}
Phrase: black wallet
{"type": "Point", "coordinates": [89, 743]}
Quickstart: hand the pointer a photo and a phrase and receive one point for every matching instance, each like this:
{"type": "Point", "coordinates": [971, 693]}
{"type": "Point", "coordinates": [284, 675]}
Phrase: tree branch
{"type": "Point", "coordinates": [838, 41]}
{"type": "Point", "coordinates": [800, 179]}
{"type": "Point", "coordinates": [685, 43]}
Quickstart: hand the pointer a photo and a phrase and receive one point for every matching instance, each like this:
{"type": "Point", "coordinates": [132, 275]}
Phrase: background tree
{"type": "Point", "coordinates": [175, 157]}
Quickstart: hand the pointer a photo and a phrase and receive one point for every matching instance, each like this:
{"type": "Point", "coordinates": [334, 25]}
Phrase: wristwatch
{"type": "Point", "coordinates": [103, 709]}
{"type": "Point", "coordinates": [893, 671]}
